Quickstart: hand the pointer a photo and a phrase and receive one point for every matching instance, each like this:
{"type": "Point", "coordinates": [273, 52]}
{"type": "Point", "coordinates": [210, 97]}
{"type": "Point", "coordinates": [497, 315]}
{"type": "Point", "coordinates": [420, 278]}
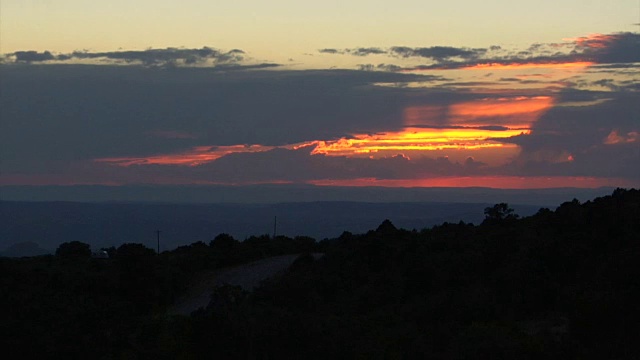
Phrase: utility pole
{"type": "Point", "coordinates": [158, 237]}
{"type": "Point", "coordinates": [275, 226]}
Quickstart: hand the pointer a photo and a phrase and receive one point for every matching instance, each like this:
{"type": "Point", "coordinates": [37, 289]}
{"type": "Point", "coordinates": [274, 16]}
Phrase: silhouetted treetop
{"type": "Point", "coordinates": [223, 241]}
{"type": "Point", "coordinates": [132, 250]}
{"type": "Point", "coordinates": [73, 250]}
{"type": "Point", "coordinates": [386, 227]}
{"type": "Point", "coordinates": [499, 212]}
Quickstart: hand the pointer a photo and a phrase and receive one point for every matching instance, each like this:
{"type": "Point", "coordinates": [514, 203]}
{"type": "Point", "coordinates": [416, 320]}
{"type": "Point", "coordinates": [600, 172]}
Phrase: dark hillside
{"type": "Point", "coordinates": [557, 284]}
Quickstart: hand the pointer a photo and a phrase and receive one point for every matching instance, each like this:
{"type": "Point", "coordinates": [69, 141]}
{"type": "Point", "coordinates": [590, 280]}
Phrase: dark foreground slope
{"type": "Point", "coordinates": [558, 284]}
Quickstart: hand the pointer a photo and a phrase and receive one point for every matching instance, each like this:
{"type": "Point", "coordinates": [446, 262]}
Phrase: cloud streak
{"type": "Point", "coordinates": [587, 50]}
{"type": "Point", "coordinates": [149, 57]}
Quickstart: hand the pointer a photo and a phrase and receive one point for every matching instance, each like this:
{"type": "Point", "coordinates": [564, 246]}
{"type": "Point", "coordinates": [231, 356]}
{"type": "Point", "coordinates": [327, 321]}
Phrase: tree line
{"type": "Point", "coordinates": [559, 284]}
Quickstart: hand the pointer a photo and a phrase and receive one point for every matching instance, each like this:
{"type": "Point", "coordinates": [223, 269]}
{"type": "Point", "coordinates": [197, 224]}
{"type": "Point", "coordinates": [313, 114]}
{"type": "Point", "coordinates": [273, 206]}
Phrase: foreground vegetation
{"type": "Point", "coordinates": [559, 284]}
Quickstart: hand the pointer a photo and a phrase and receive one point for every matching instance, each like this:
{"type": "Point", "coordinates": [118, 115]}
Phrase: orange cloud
{"type": "Point", "coordinates": [194, 157]}
{"type": "Point", "coordinates": [424, 115]}
{"type": "Point", "coordinates": [522, 111]}
{"type": "Point", "coordinates": [615, 138]}
{"type": "Point", "coordinates": [531, 65]}
{"type": "Point", "coordinates": [365, 145]}
{"type": "Point", "coordinates": [414, 139]}
{"type": "Point", "coordinates": [597, 41]}
{"type": "Point", "coordinates": [473, 130]}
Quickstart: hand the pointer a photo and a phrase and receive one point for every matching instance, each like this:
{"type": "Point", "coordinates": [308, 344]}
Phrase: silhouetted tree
{"type": "Point", "coordinates": [131, 250]}
{"type": "Point", "coordinates": [223, 242]}
{"type": "Point", "coordinates": [386, 227]}
{"type": "Point", "coordinates": [499, 212]}
{"type": "Point", "coordinates": [74, 250]}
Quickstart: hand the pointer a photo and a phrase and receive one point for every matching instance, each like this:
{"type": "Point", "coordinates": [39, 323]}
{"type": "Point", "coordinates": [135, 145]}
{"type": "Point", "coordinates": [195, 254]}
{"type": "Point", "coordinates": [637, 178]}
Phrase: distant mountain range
{"type": "Point", "coordinates": [281, 193]}
{"type": "Point", "coordinates": [32, 227]}
{"type": "Point", "coordinates": [36, 219]}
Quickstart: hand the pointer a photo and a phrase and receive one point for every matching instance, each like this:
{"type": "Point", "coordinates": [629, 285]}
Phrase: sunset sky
{"type": "Point", "coordinates": [503, 94]}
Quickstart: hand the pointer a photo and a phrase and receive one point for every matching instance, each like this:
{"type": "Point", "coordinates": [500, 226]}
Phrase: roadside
{"type": "Point", "coordinates": [247, 276]}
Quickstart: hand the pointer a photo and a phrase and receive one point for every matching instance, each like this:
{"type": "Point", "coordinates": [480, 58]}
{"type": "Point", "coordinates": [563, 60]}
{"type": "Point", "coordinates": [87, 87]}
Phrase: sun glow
{"type": "Point", "coordinates": [519, 66]}
{"type": "Point", "coordinates": [472, 128]}
{"type": "Point", "coordinates": [365, 145]}
{"type": "Point", "coordinates": [415, 139]}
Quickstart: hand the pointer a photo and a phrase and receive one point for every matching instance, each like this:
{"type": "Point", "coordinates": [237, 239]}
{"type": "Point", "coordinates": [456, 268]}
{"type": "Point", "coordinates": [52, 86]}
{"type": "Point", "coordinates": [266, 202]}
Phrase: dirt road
{"type": "Point", "coordinates": [247, 276]}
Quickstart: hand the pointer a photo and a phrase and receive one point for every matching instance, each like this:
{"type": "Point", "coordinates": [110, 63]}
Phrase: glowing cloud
{"type": "Point", "coordinates": [529, 65]}
{"type": "Point", "coordinates": [471, 127]}
{"type": "Point", "coordinates": [519, 112]}
{"type": "Point", "coordinates": [408, 140]}
{"type": "Point", "coordinates": [196, 156]}
{"type": "Point", "coordinates": [597, 41]}
{"type": "Point", "coordinates": [615, 138]}
{"type": "Point", "coordinates": [414, 139]}
{"type": "Point", "coordinates": [522, 111]}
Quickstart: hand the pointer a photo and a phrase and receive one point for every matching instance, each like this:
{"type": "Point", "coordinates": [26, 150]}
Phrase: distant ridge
{"type": "Point", "coordinates": [104, 224]}
{"type": "Point", "coordinates": [292, 193]}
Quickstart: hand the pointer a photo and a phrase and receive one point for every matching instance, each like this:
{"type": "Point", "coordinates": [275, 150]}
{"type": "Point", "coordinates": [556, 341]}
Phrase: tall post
{"type": "Point", "coordinates": [275, 226]}
{"type": "Point", "coordinates": [158, 237]}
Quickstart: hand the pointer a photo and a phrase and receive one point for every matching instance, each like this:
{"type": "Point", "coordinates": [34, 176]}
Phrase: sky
{"type": "Point", "coordinates": [502, 94]}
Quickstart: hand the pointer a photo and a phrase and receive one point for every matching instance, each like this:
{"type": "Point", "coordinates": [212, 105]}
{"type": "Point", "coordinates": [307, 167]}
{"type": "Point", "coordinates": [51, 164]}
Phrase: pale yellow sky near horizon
{"type": "Point", "coordinates": [282, 29]}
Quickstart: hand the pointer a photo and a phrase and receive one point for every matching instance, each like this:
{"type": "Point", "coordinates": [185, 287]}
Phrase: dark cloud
{"type": "Point", "coordinates": [618, 48]}
{"type": "Point", "coordinates": [365, 51]}
{"type": "Point", "coordinates": [149, 57]}
{"type": "Point", "coordinates": [389, 67]}
{"type": "Point", "coordinates": [230, 67]}
{"type": "Point", "coordinates": [33, 56]}
{"type": "Point", "coordinates": [510, 79]}
{"type": "Point", "coordinates": [521, 81]}
{"type": "Point", "coordinates": [379, 67]}
{"type": "Point", "coordinates": [607, 83]}
{"type": "Point", "coordinates": [297, 166]}
{"type": "Point", "coordinates": [166, 56]}
{"type": "Point", "coordinates": [56, 114]}
{"type": "Point", "coordinates": [616, 66]}
{"type": "Point", "coordinates": [329, 51]}
{"type": "Point", "coordinates": [595, 139]}
{"type": "Point", "coordinates": [360, 51]}
{"type": "Point", "coordinates": [437, 53]}
{"type": "Point", "coordinates": [57, 118]}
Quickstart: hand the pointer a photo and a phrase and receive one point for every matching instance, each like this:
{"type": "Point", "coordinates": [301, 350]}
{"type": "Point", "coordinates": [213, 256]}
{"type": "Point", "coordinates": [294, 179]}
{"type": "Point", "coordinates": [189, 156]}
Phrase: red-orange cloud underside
{"type": "Point", "coordinates": [196, 156]}
{"type": "Point", "coordinates": [414, 139]}
{"type": "Point", "coordinates": [516, 114]}
{"type": "Point", "coordinates": [598, 41]}
{"type": "Point", "coordinates": [408, 139]}
{"type": "Point", "coordinates": [531, 65]}
{"type": "Point", "coordinates": [520, 112]}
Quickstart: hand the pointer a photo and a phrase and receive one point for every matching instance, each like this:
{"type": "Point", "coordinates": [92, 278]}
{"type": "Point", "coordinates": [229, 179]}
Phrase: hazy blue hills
{"type": "Point", "coordinates": [286, 193]}
{"type": "Point", "coordinates": [32, 227]}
